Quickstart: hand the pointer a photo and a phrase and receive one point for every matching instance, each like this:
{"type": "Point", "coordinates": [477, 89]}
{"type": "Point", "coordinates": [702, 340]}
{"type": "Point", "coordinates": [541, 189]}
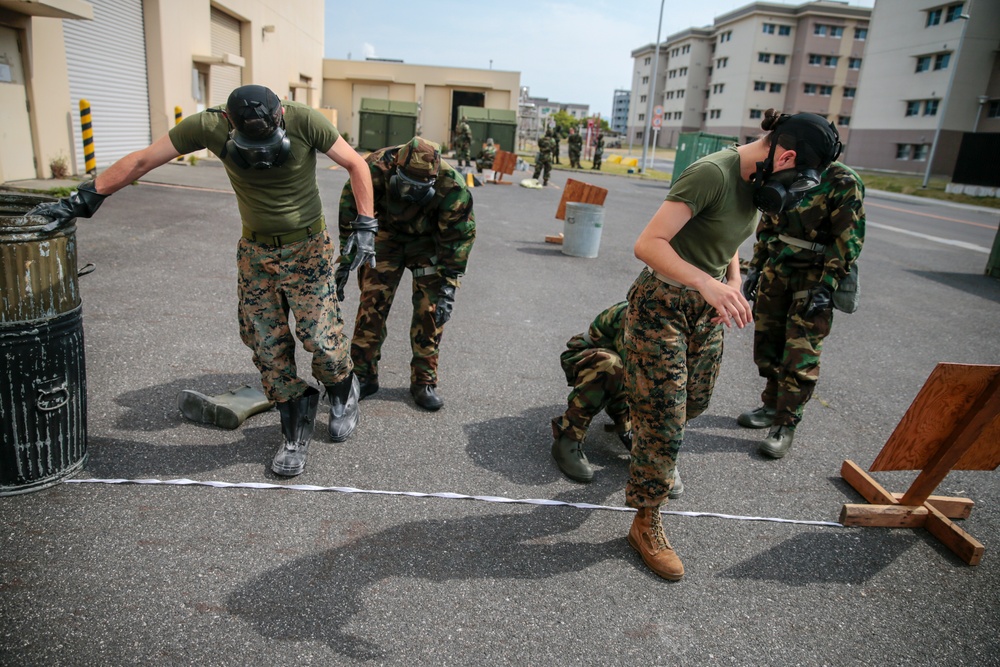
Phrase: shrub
{"type": "Point", "coordinates": [59, 166]}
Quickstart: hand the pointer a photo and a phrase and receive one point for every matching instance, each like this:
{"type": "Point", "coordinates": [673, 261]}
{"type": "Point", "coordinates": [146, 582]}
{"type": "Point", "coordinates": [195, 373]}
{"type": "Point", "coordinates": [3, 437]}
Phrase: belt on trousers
{"type": "Point", "coordinates": [670, 281]}
{"type": "Point", "coordinates": [799, 243]}
{"type": "Point", "coordinates": [285, 239]}
{"type": "Point", "coordinates": [427, 270]}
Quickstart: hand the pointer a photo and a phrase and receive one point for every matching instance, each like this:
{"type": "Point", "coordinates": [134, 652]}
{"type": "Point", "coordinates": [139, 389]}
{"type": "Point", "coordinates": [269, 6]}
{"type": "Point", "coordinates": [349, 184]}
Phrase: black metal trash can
{"type": "Point", "coordinates": [43, 380]}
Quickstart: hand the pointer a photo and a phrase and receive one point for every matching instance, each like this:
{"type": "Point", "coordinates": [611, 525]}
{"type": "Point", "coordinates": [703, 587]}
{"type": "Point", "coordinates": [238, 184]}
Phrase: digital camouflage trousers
{"type": "Point", "coordinates": [672, 357]}
{"type": "Point", "coordinates": [597, 376]}
{"type": "Point", "coordinates": [295, 278]}
{"type": "Point", "coordinates": [786, 344]}
{"type": "Point", "coordinates": [394, 253]}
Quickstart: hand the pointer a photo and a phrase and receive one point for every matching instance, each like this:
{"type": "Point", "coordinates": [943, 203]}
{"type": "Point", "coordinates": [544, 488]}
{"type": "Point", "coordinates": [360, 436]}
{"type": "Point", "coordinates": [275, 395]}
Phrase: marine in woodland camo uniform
{"type": "Point", "coordinates": [463, 143]}
{"type": "Point", "coordinates": [594, 368]}
{"type": "Point", "coordinates": [598, 151]}
{"type": "Point", "coordinates": [432, 240]}
{"type": "Point", "coordinates": [787, 343]}
{"type": "Point", "coordinates": [487, 156]}
{"type": "Point", "coordinates": [555, 146]}
{"type": "Point", "coordinates": [543, 161]}
{"type": "Point", "coordinates": [575, 143]}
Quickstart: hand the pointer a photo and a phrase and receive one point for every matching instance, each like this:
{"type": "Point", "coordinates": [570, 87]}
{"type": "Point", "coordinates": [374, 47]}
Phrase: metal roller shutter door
{"type": "Point", "coordinates": [106, 63]}
{"type": "Point", "coordinates": [225, 39]}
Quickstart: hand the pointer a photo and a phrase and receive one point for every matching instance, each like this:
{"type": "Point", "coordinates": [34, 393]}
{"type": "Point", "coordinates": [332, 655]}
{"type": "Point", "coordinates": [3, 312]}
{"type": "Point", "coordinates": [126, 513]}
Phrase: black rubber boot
{"type": "Point", "coordinates": [571, 460]}
{"type": "Point", "coordinates": [761, 417]}
{"type": "Point", "coordinates": [367, 386]}
{"type": "Point", "coordinates": [227, 410]}
{"type": "Point", "coordinates": [425, 396]}
{"type": "Point", "coordinates": [297, 418]}
{"type": "Point", "coordinates": [344, 414]}
{"type": "Point", "coordinates": [778, 442]}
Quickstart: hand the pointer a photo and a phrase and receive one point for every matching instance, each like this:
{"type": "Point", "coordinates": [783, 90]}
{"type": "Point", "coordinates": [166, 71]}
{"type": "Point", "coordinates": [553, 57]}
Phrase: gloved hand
{"type": "Point", "coordinates": [445, 304]}
{"type": "Point", "coordinates": [750, 284]}
{"type": "Point", "coordinates": [340, 278]}
{"type": "Point", "coordinates": [820, 299]}
{"type": "Point", "coordinates": [82, 203]}
{"type": "Point", "coordinates": [362, 239]}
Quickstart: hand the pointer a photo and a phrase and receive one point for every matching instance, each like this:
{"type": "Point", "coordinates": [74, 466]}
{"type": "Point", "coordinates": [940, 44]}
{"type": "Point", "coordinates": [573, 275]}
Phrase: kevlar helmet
{"type": "Point", "coordinates": [417, 165]}
{"type": "Point", "coordinates": [257, 138]}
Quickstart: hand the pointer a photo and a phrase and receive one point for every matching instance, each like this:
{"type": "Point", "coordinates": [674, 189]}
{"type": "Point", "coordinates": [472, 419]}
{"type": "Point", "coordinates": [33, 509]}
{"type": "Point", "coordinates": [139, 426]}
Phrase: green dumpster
{"type": "Point", "coordinates": [386, 123]}
{"type": "Point", "coordinates": [497, 124]}
{"type": "Point", "coordinates": [694, 145]}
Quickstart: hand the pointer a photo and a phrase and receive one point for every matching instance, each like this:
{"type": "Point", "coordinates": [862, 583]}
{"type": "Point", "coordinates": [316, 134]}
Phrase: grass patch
{"type": "Point", "coordinates": [912, 184]}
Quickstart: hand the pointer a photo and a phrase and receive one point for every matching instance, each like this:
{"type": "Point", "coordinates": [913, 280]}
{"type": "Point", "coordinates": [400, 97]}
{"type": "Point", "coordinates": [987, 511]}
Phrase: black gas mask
{"type": "Point", "coordinates": [815, 142]}
{"type": "Point", "coordinates": [410, 189]}
{"type": "Point", "coordinates": [257, 129]}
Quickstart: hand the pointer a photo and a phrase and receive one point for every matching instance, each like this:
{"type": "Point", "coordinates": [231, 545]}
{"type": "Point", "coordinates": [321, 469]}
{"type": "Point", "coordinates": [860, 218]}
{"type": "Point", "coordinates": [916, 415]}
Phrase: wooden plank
{"type": "Point", "coordinates": [962, 544]}
{"type": "Point", "coordinates": [951, 506]}
{"type": "Point", "coordinates": [967, 435]}
{"type": "Point", "coordinates": [864, 484]}
{"type": "Point", "coordinates": [504, 163]}
{"type": "Point", "coordinates": [578, 191]}
{"type": "Point", "coordinates": [884, 516]}
{"type": "Point", "coordinates": [554, 238]}
{"type": "Point", "coordinates": [936, 417]}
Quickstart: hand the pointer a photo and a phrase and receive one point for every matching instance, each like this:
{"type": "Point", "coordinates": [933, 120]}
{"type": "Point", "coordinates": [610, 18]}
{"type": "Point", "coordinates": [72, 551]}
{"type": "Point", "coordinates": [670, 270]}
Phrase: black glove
{"type": "Point", "coordinates": [820, 299]}
{"type": "Point", "coordinates": [340, 278]}
{"type": "Point", "coordinates": [362, 239]}
{"type": "Point", "coordinates": [445, 304]}
{"type": "Point", "coordinates": [82, 203]}
{"type": "Point", "coordinates": [750, 284]}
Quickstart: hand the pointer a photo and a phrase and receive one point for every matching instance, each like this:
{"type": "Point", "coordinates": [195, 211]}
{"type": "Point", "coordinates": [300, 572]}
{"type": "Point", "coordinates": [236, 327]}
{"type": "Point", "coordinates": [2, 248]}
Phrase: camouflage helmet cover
{"type": "Point", "coordinates": [419, 159]}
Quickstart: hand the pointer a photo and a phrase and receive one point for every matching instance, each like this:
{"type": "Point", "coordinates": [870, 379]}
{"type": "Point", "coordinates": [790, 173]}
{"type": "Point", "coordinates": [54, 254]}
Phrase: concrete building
{"type": "Point", "coordinates": [619, 112]}
{"type": "Point", "coordinates": [721, 78]}
{"type": "Point", "coordinates": [928, 68]}
{"type": "Point", "coordinates": [134, 62]}
{"type": "Point", "coordinates": [438, 92]}
{"type": "Point", "coordinates": [642, 76]}
{"type": "Point", "coordinates": [535, 113]}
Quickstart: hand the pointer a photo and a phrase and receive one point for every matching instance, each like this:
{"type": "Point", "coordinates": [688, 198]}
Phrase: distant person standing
{"type": "Point", "coordinates": [575, 142]}
{"type": "Point", "coordinates": [598, 151]}
{"type": "Point", "coordinates": [463, 142]}
{"type": "Point", "coordinates": [543, 161]}
{"type": "Point", "coordinates": [555, 146]}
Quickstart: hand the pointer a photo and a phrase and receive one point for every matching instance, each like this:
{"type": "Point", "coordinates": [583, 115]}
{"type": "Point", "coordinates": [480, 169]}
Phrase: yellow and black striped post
{"type": "Point", "coordinates": [178, 116]}
{"type": "Point", "coordinates": [87, 129]}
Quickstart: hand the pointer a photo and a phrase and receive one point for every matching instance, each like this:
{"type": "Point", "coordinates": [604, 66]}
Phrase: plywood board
{"type": "Point", "coordinates": [579, 191]}
{"type": "Point", "coordinates": [504, 162]}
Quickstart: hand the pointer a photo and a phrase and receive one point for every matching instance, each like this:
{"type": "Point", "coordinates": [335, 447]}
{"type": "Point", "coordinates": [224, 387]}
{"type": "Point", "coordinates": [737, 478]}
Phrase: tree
{"type": "Point", "coordinates": [564, 122]}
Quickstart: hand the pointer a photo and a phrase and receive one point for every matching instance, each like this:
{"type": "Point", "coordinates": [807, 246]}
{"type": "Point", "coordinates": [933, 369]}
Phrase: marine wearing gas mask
{"type": "Point", "coordinates": [816, 144]}
{"type": "Point", "coordinates": [257, 139]}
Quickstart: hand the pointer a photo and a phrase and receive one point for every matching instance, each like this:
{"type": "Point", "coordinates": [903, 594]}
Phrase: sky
{"type": "Point", "coordinates": [568, 51]}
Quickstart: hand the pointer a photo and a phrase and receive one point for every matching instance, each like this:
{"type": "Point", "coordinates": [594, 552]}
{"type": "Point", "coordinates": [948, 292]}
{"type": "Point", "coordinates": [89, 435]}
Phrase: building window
{"type": "Point", "coordinates": [646, 61]}
{"type": "Point", "coordinates": [638, 134]}
{"type": "Point", "coordinates": [756, 113]}
{"type": "Point", "coordinates": [645, 80]}
{"type": "Point", "coordinates": [861, 33]}
{"type": "Point", "coordinates": [717, 88]}
{"type": "Point", "coordinates": [941, 60]}
{"type": "Point", "coordinates": [954, 12]}
{"type": "Point", "coordinates": [994, 109]}
{"type": "Point", "coordinates": [686, 49]}
{"type": "Point", "coordinates": [854, 63]}
{"type": "Point", "coordinates": [759, 85]}
{"type": "Point", "coordinates": [768, 28]}
{"type": "Point", "coordinates": [902, 151]}
{"type": "Point", "coordinates": [642, 98]}
{"type": "Point", "coordinates": [930, 107]}
{"type": "Point", "coordinates": [780, 60]}
{"type": "Point", "coordinates": [836, 31]}
{"type": "Point", "coordinates": [843, 121]}
{"type": "Point", "coordinates": [721, 62]}
{"type": "Point", "coordinates": [642, 116]}
{"type": "Point", "coordinates": [815, 59]}
{"type": "Point", "coordinates": [726, 36]}
{"type": "Point", "coordinates": [677, 115]}
{"type": "Point", "coordinates": [680, 93]}
{"type": "Point", "coordinates": [923, 63]}
{"type": "Point", "coordinates": [933, 17]}
{"type": "Point", "coordinates": [775, 87]}
{"type": "Point", "coordinates": [920, 152]}
{"type": "Point", "coordinates": [810, 89]}
{"type": "Point", "coordinates": [831, 61]}
{"type": "Point", "coordinates": [763, 57]}
{"type": "Point", "coordinates": [849, 92]}
{"type": "Point", "coordinates": [826, 90]}
{"type": "Point", "coordinates": [715, 113]}
{"type": "Point", "coordinates": [819, 29]}
{"type": "Point", "coordinates": [913, 108]}
{"type": "Point", "coordinates": [784, 30]}
{"type": "Point", "coordinates": [683, 71]}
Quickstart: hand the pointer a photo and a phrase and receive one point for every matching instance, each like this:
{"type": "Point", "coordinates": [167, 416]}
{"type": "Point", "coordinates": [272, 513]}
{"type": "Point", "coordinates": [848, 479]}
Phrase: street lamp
{"type": "Point", "coordinates": [649, 95]}
{"type": "Point", "coordinates": [947, 95]}
{"type": "Point", "coordinates": [983, 99]}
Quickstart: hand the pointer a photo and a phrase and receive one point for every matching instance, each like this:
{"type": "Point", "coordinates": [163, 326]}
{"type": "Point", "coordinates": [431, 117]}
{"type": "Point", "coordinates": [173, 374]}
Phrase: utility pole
{"type": "Point", "coordinates": [649, 96]}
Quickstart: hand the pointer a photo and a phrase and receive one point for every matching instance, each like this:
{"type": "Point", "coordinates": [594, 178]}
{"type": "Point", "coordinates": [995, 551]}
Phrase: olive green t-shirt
{"type": "Point", "coordinates": [722, 211]}
{"type": "Point", "coordinates": [276, 200]}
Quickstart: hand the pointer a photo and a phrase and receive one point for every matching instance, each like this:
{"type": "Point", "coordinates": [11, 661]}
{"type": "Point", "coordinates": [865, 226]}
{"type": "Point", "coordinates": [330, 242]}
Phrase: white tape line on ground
{"type": "Point", "coordinates": [442, 494]}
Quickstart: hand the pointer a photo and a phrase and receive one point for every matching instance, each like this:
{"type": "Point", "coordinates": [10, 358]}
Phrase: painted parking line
{"type": "Point", "coordinates": [935, 239]}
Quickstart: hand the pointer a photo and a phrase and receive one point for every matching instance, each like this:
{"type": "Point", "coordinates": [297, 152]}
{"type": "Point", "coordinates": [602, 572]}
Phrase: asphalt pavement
{"type": "Point", "coordinates": [93, 573]}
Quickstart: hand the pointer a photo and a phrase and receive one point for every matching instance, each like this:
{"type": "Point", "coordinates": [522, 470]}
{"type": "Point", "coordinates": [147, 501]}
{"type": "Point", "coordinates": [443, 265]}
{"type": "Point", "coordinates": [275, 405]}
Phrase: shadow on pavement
{"type": "Point", "coordinates": [971, 283]}
{"type": "Point", "coordinates": [316, 597]}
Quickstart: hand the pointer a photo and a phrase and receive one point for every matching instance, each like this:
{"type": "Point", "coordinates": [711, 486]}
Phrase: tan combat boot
{"type": "Point", "coordinates": [646, 536]}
